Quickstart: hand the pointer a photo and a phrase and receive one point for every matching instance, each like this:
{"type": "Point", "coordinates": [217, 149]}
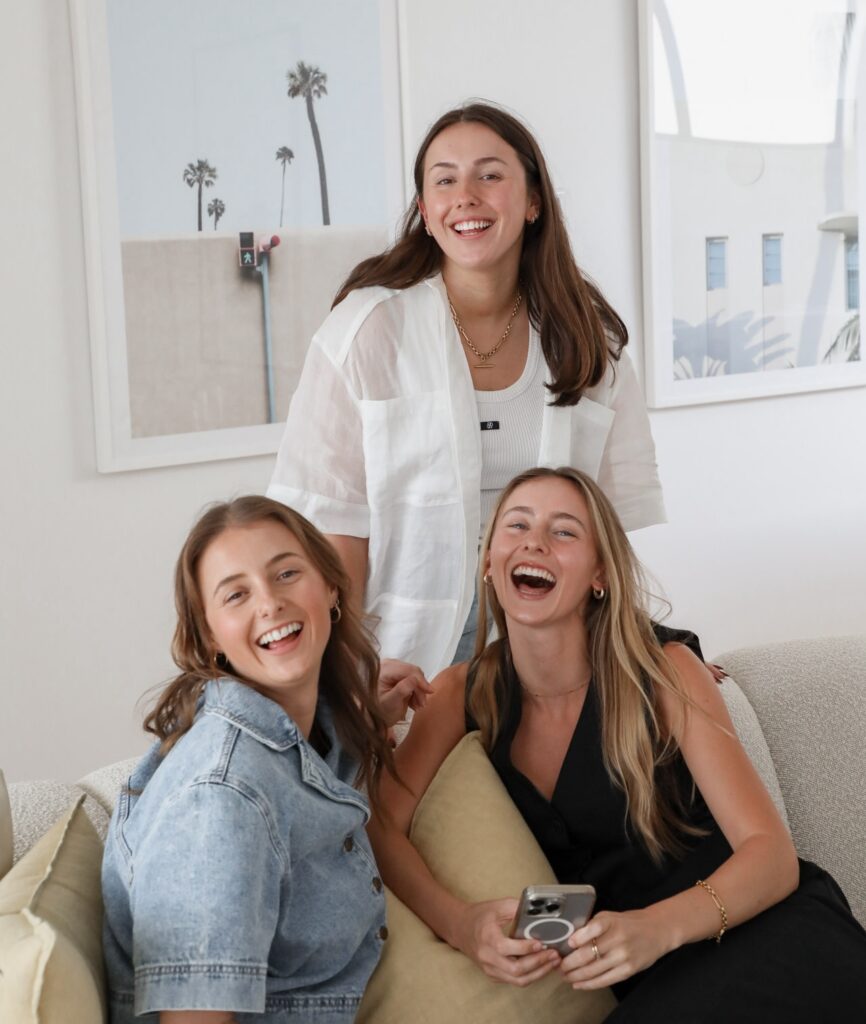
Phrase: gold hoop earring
{"type": "Point", "coordinates": [598, 593]}
{"type": "Point", "coordinates": [218, 661]}
{"type": "Point", "coordinates": [336, 610]}
{"type": "Point", "coordinates": [487, 578]}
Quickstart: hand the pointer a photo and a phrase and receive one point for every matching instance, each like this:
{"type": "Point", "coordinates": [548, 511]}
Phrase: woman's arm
{"type": "Point", "coordinates": [761, 871]}
{"type": "Point", "coordinates": [473, 928]}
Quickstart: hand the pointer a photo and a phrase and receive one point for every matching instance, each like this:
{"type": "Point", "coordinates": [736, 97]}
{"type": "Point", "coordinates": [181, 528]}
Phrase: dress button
{"type": "Point", "coordinates": [348, 844]}
{"type": "Point", "coordinates": [377, 884]}
{"type": "Point", "coordinates": [382, 933]}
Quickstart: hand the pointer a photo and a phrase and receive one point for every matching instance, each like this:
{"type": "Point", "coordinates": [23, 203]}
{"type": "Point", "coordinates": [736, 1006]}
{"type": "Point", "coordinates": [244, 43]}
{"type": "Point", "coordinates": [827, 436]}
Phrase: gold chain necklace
{"type": "Point", "coordinates": [484, 356]}
{"type": "Point", "coordinates": [575, 689]}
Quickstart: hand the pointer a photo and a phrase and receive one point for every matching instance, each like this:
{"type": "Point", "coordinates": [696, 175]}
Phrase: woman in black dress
{"type": "Point", "coordinates": [615, 745]}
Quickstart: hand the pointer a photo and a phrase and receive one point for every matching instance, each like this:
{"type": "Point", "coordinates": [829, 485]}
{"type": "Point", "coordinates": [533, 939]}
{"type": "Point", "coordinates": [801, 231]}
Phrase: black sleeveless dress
{"type": "Point", "coordinates": [803, 959]}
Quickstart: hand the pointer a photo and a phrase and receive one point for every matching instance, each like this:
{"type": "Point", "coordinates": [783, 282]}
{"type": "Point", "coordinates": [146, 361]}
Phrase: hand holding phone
{"type": "Point", "coordinates": [551, 913]}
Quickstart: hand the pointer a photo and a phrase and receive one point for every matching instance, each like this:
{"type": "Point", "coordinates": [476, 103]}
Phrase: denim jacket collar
{"type": "Point", "coordinates": [252, 712]}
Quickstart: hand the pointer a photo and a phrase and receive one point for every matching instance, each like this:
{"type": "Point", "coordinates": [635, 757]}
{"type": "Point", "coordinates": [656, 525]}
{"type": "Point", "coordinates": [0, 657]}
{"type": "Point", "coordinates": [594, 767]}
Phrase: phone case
{"type": "Point", "coordinates": [551, 913]}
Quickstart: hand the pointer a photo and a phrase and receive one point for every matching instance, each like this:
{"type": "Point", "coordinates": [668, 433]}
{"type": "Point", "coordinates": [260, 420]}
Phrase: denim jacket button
{"type": "Point", "coordinates": [348, 844]}
{"type": "Point", "coordinates": [382, 933]}
{"type": "Point", "coordinates": [377, 884]}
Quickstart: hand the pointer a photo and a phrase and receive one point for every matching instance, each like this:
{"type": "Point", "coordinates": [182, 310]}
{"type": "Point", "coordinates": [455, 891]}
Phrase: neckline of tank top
{"type": "Point", "coordinates": [530, 369]}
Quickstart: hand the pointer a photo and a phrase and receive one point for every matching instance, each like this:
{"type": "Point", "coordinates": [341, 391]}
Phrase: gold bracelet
{"type": "Point", "coordinates": [721, 908]}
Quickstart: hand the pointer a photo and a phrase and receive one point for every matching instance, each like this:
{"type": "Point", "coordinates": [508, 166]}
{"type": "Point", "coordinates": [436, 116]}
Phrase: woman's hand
{"type": "Point", "coordinates": [479, 934]}
{"type": "Point", "coordinates": [626, 943]}
{"type": "Point", "coordinates": [401, 686]}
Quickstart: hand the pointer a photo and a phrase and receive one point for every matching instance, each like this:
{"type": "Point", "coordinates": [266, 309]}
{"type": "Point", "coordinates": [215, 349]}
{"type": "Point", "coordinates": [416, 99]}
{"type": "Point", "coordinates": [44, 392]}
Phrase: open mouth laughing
{"type": "Point", "coordinates": [532, 579]}
{"type": "Point", "coordinates": [471, 228]}
{"type": "Point", "coordinates": [274, 638]}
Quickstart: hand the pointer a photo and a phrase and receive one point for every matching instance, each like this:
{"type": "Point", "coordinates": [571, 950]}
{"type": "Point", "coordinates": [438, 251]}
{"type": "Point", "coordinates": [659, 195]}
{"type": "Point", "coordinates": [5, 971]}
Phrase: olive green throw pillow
{"type": "Point", "coordinates": [477, 845]}
{"type": "Point", "coordinates": [51, 928]}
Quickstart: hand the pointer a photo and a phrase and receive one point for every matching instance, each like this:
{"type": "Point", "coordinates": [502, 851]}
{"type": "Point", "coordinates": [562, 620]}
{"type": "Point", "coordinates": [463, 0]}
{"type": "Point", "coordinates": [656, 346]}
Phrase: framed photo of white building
{"type": "Point", "coordinates": [202, 125]}
{"type": "Point", "coordinates": [752, 178]}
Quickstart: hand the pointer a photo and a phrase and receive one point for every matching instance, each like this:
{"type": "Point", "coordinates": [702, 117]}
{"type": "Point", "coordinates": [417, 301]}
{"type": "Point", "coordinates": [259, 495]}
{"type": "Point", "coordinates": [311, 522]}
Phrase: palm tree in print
{"type": "Point", "coordinates": [285, 156]}
{"type": "Point", "coordinates": [216, 208]}
{"type": "Point", "coordinates": [311, 83]}
{"type": "Point", "coordinates": [202, 174]}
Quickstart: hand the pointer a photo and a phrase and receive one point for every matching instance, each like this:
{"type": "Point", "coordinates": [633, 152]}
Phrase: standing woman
{"type": "Point", "coordinates": [471, 349]}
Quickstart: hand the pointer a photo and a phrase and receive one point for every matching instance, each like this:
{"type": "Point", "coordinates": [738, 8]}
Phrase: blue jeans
{"type": "Point", "coordinates": [466, 646]}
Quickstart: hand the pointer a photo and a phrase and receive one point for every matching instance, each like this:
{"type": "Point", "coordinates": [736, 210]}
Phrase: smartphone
{"type": "Point", "coordinates": [550, 913]}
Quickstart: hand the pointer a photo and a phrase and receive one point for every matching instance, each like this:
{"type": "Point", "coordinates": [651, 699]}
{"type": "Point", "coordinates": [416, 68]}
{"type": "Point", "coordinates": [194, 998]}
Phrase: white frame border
{"type": "Point", "coordinates": [662, 391]}
{"type": "Point", "coordinates": [116, 448]}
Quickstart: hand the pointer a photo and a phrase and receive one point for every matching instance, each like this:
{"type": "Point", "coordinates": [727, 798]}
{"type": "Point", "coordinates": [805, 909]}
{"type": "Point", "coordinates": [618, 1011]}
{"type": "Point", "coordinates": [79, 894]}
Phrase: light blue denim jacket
{"type": "Point", "coordinates": [238, 874]}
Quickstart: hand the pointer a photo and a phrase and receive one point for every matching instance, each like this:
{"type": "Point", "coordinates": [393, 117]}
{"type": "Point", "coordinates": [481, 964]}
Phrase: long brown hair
{"type": "Point", "coordinates": [350, 665]}
{"type": "Point", "coordinates": [580, 331]}
{"type": "Point", "coordinates": [628, 667]}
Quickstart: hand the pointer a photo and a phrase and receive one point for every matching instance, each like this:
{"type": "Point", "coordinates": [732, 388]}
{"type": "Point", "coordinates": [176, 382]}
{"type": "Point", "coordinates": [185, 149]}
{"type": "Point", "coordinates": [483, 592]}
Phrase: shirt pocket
{"type": "Point", "coordinates": [408, 450]}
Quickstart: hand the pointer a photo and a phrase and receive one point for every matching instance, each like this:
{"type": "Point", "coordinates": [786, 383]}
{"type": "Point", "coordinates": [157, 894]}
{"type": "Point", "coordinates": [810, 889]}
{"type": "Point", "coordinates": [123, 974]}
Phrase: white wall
{"type": "Point", "coordinates": [767, 499]}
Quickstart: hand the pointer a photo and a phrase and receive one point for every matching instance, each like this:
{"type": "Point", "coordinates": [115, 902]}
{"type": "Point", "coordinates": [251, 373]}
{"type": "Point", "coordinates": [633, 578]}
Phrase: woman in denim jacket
{"type": "Point", "coordinates": [238, 878]}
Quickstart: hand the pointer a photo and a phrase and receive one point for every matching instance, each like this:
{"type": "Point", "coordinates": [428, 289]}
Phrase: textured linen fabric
{"type": "Point", "coordinates": [476, 844]}
{"type": "Point", "coordinates": [810, 697]}
{"type": "Point", "coordinates": [383, 441]}
{"type": "Point", "coordinates": [50, 923]}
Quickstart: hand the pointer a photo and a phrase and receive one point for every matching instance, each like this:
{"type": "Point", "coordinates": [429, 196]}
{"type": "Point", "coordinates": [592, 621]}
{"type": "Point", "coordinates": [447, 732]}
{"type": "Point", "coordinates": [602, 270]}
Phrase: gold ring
{"type": "Point", "coordinates": [595, 951]}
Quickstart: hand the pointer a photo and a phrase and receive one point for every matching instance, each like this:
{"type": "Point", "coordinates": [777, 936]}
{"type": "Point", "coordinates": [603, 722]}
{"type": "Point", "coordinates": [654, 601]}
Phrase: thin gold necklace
{"type": "Point", "coordinates": [575, 689]}
{"type": "Point", "coordinates": [484, 356]}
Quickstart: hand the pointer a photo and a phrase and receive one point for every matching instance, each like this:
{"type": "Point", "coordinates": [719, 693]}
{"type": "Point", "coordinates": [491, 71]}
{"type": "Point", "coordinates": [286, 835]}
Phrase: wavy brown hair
{"type": "Point", "coordinates": [628, 664]}
{"type": "Point", "coordinates": [580, 331]}
{"type": "Point", "coordinates": [350, 666]}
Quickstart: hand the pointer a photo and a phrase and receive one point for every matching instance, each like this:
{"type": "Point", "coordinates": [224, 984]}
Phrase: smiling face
{"type": "Point", "coordinates": [267, 608]}
{"type": "Point", "coordinates": [475, 199]}
{"type": "Point", "coordinates": [543, 557]}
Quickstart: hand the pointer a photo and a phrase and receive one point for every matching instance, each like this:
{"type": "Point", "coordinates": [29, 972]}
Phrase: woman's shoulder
{"type": "Point", "coordinates": [672, 635]}
{"type": "Point", "coordinates": [370, 311]}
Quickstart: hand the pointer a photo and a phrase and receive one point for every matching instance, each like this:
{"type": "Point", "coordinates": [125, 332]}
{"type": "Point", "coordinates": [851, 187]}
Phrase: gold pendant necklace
{"type": "Point", "coordinates": [484, 356]}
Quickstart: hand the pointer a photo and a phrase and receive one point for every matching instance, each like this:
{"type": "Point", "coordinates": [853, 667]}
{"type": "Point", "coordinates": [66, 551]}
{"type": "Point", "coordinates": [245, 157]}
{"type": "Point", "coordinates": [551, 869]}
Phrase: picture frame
{"type": "Point", "coordinates": [750, 210]}
{"type": "Point", "coordinates": [152, 403]}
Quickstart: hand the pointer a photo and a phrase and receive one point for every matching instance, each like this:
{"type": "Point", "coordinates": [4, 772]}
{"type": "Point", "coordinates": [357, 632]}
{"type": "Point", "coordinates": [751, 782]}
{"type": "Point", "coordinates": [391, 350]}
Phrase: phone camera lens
{"type": "Point", "coordinates": [552, 906]}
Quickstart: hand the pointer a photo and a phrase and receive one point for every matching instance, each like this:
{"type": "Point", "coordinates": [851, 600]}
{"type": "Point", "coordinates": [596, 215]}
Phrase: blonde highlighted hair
{"type": "Point", "coordinates": [350, 666]}
{"type": "Point", "coordinates": [628, 664]}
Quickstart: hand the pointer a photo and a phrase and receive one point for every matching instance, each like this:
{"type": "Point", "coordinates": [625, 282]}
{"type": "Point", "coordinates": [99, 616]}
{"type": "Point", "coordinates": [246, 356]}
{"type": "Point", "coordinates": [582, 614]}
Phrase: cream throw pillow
{"type": "Point", "coordinates": [5, 828]}
{"type": "Point", "coordinates": [51, 929]}
{"type": "Point", "coordinates": [476, 844]}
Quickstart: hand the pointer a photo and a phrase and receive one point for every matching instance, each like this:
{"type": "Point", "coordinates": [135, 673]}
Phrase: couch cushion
{"type": "Point", "coordinates": [104, 785]}
{"type": "Point", "coordinates": [477, 845]}
{"type": "Point", "coordinates": [748, 729]}
{"type": "Point", "coordinates": [35, 807]}
{"type": "Point", "coordinates": [50, 928]}
{"type": "Point", "coordinates": [810, 698]}
{"type": "Point", "coordinates": [5, 828]}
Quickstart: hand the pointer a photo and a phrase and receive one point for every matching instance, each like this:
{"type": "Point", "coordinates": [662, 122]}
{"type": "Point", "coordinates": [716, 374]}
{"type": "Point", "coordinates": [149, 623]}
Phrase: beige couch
{"type": "Point", "coordinates": [799, 707]}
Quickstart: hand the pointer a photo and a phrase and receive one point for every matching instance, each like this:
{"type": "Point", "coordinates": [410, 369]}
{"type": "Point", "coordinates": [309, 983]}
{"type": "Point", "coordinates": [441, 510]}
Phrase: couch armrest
{"type": "Point", "coordinates": [810, 698]}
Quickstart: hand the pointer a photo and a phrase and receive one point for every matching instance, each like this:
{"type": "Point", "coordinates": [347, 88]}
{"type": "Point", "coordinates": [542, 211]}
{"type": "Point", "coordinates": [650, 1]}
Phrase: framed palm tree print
{"type": "Point", "coordinates": [752, 183]}
{"type": "Point", "coordinates": [236, 161]}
